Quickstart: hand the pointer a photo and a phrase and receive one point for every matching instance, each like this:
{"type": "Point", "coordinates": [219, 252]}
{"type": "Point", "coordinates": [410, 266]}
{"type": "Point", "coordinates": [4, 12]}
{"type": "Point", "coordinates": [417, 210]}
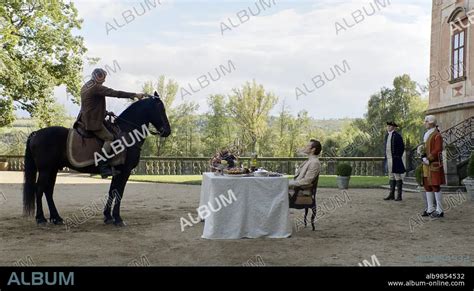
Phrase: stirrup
{"type": "Point", "coordinates": [115, 172]}
{"type": "Point", "coordinates": [105, 170]}
{"type": "Point", "coordinates": [109, 172]}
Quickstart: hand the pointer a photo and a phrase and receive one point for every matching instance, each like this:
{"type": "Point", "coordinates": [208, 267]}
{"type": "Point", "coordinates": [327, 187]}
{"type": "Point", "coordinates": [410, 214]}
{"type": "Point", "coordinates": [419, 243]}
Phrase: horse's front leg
{"type": "Point", "coordinates": [108, 219]}
{"type": "Point", "coordinates": [118, 188]}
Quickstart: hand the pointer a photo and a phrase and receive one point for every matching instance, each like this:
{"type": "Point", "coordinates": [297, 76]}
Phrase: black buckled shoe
{"type": "Point", "coordinates": [389, 197]}
{"type": "Point", "coordinates": [426, 214]}
{"type": "Point", "coordinates": [437, 215]}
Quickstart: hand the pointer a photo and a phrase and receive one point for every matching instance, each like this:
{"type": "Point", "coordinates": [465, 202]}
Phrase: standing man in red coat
{"type": "Point", "coordinates": [433, 173]}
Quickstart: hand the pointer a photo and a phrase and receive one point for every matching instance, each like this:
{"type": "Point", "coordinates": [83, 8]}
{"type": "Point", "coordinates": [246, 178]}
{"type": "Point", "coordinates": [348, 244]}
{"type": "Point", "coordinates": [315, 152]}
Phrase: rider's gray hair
{"type": "Point", "coordinates": [99, 75]}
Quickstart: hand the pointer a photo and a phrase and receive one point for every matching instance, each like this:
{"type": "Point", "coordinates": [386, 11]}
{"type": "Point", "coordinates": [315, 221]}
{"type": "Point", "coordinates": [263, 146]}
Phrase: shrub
{"type": "Point", "coordinates": [344, 170]}
{"type": "Point", "coordinates": [419, 174]}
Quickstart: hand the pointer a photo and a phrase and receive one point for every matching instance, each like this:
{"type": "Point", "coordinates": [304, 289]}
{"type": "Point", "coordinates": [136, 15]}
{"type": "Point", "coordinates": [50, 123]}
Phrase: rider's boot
{"type": "Point", "coordinates": [104, 168]}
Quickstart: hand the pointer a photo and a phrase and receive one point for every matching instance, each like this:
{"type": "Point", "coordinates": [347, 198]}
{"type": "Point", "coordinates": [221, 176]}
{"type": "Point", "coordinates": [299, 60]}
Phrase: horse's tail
{"type": "Point", "coordinates": [29, 184]}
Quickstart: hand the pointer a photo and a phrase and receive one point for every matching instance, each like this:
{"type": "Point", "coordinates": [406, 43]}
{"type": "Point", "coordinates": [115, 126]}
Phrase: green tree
{"type": "Point", "coordinates": [409, 109]}
{"type": "Point", "coordinates": [287, 133]}
{"type": "Point", "coordinates": [6, 111]}
{"type": "Point", "coordinates": [298, 133]}
{"type": "Point", "coordinates": [218, 132]}
{"type": "Point", "coordinates": [250, 107]}
{"type": "Point", "coordinates": [185, 139]}
{"type": "Point", "coordinates": [402, 103]}
{"type": "Point", "coordinates": [279, 133]}
{"type": "Point", "coordinates": [167, 90]}
{"type": "Point", "coordinates": [39, 52]}
{"type": "Point", "coordinates": [50, 113]}
{"type": "Point", "coordinates": [331, 147]}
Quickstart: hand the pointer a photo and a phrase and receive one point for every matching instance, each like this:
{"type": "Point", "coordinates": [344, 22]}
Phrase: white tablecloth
{"type": "Point", "coordinates": [260, 208]}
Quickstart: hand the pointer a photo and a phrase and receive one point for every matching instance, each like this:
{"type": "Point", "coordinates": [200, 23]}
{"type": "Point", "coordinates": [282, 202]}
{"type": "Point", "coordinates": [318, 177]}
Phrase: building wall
{"type": "Point", "coordinates": [450, 102]}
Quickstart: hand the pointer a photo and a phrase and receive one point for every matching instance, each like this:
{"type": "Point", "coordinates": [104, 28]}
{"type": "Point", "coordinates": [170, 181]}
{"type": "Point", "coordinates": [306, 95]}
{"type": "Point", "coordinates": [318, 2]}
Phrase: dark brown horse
{"type": "Point", "coordinates": [45, 155]}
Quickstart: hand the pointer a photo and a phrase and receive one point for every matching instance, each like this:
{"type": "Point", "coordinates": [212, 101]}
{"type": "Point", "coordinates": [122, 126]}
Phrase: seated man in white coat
{"type": "Point", "coordinates": [309, 170]}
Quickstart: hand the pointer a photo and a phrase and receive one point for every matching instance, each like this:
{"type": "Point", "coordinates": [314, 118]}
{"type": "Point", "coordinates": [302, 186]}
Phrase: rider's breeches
{"type": "Point", "coordinates": [105, 135]}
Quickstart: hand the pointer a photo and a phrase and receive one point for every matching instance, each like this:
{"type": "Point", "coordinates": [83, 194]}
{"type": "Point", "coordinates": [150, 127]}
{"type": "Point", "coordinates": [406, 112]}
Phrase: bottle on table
{"type": "Point", "coordinates": [253, 162]}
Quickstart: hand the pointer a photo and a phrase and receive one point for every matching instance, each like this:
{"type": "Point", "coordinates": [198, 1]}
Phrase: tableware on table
{"type": "Point", "coordinates": [236, 175]}
{"type": "Point", "coordinates": [261, 173]}
{"type": "Point", "coordinates": [219, 169]}
{"type": "Point", "coordinates": [234, 171]}
{"type": "Point", "coordinates": [274, 174]}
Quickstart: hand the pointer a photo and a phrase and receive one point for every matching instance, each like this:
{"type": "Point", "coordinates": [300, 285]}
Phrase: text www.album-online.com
{"type": "Point", "coordinates": [437, 283]}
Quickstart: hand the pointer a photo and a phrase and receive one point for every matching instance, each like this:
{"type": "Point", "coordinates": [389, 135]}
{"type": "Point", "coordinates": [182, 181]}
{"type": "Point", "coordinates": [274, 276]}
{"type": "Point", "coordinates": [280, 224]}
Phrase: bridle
{"type": "Point", "coordinates": [136, 125]}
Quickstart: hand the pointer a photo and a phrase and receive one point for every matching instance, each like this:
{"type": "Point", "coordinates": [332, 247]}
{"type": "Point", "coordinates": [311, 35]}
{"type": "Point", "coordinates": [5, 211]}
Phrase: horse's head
{"type": "Point", "coordinates": [158, 117]}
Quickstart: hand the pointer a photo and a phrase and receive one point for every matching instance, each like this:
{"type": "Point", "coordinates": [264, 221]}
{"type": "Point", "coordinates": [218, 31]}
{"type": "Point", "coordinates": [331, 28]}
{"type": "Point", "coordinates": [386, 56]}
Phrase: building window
{"type": "Point", "coordinates": [459, 55]}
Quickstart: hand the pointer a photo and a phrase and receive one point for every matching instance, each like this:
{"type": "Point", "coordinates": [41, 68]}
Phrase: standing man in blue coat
{"type": "Point", "coordinates": [394, 149]}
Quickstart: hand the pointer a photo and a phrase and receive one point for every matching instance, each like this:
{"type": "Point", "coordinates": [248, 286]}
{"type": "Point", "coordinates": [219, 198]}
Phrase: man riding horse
{"type": "Point", "coordinates": [47, 150]}
{"type": "Point", "coordinates": [93, 112]}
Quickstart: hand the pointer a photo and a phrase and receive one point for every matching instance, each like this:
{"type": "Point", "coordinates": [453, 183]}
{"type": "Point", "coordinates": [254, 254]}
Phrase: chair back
{"type": "Point", "coordinates": [300, 201]}
{"type": "Point", "coordinates": [315, 187]}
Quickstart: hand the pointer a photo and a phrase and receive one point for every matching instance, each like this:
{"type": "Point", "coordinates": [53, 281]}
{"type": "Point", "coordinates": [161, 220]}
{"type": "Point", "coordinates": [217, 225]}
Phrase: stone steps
{"type": "Point", "coordinates": [410, 185]}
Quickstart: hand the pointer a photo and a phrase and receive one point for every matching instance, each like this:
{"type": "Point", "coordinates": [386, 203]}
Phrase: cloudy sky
{"type": "Point", "coordinates": [283, 47]}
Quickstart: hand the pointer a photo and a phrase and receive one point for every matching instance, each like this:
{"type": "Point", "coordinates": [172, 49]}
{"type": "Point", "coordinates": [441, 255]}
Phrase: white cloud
{"type": "Point", "coordinates": [282, 50]}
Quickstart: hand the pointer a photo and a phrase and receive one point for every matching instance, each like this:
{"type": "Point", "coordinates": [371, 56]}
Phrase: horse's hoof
{"type": "Point", "coordinates": [108, 220]}
{"type": "Point", "coordinates": [41, 221]}
{"type": "Point", "coordinates": [119, 223]}
{"type": "Point", "coordinates": [57, 221]}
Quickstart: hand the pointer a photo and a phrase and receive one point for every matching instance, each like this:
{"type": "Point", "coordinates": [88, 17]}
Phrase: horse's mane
{"type": "Point", "coordinates": [134, 106]}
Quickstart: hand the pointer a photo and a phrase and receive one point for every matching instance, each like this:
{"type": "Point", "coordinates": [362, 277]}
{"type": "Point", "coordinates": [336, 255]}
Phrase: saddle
{"type": "Point", "coordinates": [82, 145]}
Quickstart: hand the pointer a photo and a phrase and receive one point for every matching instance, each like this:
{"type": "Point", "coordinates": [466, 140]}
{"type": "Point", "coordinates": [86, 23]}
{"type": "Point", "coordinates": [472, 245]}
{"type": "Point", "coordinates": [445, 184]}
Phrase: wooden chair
{"type": "Point", "coordinates": [301, 201]}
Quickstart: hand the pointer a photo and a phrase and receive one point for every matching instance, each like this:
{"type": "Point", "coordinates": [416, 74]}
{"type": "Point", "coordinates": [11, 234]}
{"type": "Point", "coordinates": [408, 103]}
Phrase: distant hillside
{"type": "Point", "coordinates": [23, 122]}
{"type": "Point", "coordinates": [332, 125]}
{"type": "Point", "coordinates": [327, 125]}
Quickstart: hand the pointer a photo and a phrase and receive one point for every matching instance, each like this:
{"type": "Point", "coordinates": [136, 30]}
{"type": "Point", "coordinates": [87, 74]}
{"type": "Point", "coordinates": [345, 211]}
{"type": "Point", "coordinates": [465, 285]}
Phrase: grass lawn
{"type": "Point", "coordinates": [324, 181]}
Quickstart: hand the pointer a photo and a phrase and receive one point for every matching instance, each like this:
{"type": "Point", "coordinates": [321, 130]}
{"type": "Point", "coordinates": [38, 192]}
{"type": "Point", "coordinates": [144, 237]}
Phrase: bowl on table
{"type": "Point", "coordinates": [261, 173]}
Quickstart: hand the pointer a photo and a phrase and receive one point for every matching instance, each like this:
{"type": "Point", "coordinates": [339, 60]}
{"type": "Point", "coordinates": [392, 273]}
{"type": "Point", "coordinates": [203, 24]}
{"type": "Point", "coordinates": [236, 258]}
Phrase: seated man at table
{"type": "Point", "coordinates": [309, 170]}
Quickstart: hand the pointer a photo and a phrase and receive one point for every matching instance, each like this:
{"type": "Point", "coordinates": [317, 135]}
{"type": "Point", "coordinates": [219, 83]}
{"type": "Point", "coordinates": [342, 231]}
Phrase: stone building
{"type": "Point", "coordinates": [451, 88]}
{"type": "Point", "coordinates": [451, 85]}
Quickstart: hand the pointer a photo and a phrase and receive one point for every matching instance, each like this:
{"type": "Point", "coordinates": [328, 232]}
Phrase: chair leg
{"type": "Point", "coordinates": [305, 214]}
{"type": "Point", "coordinates": [313, 216]}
